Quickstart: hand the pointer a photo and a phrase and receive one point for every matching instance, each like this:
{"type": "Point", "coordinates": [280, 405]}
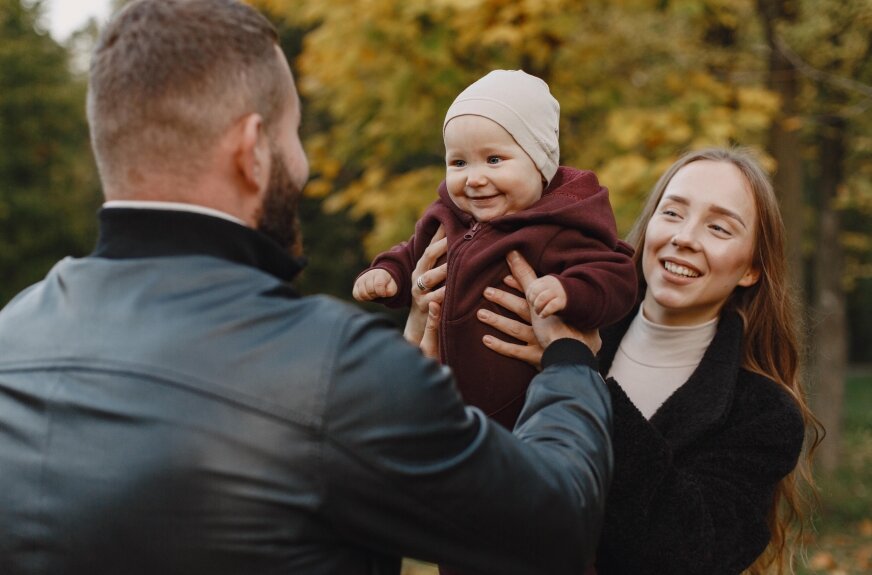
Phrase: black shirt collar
{"type": "Point", "coordinates": [127, 233]}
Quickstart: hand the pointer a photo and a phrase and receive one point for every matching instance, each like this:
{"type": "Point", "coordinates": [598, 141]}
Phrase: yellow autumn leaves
{"type": "Point", "coordinates": [639, 81]}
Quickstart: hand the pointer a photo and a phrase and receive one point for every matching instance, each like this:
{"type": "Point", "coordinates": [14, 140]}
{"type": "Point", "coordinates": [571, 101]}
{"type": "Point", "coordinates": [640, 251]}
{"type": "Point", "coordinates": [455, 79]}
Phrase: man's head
{"type": "Point", "coordinates": [186, 90]}
{"type": "Point", "coordinates": [523, 106]}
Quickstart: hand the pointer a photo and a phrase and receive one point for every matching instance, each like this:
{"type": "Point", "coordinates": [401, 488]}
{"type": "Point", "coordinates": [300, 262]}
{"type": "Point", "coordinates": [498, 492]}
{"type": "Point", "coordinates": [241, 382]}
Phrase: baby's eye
{"type": "Point", "coordinates": [494, 159]}
{"type": "Point", "coordinates": [457, 163]}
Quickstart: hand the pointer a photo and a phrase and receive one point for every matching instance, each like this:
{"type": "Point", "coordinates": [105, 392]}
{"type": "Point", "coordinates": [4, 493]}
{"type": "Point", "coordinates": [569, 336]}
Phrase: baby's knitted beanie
{"type": "Point", "coordinates": [523, 106]}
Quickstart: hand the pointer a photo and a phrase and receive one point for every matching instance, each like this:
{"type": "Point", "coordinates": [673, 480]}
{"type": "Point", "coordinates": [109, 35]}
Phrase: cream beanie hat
{"type": "Point", "coordinates": [523, 106]}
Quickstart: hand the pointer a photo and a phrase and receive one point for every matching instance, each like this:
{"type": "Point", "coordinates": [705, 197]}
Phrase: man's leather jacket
{"type": "Point", "coordinates": [169, 405]}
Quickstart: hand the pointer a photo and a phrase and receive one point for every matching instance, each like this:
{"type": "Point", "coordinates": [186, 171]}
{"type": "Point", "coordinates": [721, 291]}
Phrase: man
{"type": "Point", "coordinates": [170, 405]}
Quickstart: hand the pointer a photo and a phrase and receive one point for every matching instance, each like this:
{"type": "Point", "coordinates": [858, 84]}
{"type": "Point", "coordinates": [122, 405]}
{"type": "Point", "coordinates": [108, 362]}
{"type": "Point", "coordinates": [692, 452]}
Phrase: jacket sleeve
{"type": "Point", "coordinates": [400, 260]}
{"type": "Point", "coordinates": [599, 279]}
{"type": "Point", "coordinates": [705, 511]}
{"type": "Point", "coordinates": [409, 470]}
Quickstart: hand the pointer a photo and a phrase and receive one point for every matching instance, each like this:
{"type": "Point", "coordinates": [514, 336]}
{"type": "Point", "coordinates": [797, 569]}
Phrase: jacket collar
{"type": "Point", "coordinates": [705, 399]}
{"type": "Point", "coordinates": [127, 233]}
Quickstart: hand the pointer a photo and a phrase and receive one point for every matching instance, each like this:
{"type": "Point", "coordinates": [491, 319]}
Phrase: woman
{"type": "Point", "coordinates": [709, 414]}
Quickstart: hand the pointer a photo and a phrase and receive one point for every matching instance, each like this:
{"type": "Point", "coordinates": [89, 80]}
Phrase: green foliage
{"type": "Point", "coordinates": [847, 494]}
{"type": "Point", "coordinates": [48, 188]}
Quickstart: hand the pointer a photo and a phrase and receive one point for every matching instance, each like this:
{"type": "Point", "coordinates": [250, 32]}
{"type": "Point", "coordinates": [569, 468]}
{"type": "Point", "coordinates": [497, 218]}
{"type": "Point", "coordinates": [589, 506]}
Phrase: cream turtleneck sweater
{"type": "Point", "coordinates": [654, 360]}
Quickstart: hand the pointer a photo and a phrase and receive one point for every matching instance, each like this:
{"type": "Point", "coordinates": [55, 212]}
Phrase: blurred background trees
{"type": "Point", "coordinates": [639, 82]}
{"type": "Point", "coordinates": [48, 184]}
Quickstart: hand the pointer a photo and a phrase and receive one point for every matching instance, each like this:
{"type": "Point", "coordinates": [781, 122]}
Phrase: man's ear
{"type": "Point", "coordinates": [252, 152]}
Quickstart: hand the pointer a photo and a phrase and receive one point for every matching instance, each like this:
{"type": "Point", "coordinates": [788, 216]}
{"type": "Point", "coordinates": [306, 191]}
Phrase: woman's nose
{"type": "Point", "coordinates": [685, 237]}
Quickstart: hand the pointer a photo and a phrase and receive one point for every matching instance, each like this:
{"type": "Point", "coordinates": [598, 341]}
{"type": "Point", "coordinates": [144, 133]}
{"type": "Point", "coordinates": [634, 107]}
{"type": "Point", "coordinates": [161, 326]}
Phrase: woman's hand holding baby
{"type": "Point", "coordinates": [535, 330]}
{"type": "Point", "coordinates": [423, 322]}
{"type": "Point", "coordinates": [530, 351]}
{"type": "Point", "coordinates": [427, 275]}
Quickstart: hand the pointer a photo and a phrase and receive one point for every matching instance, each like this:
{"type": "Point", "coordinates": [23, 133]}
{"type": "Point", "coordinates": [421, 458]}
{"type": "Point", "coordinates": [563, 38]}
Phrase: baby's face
{"type": "Point", "coordinates": [488, 174]}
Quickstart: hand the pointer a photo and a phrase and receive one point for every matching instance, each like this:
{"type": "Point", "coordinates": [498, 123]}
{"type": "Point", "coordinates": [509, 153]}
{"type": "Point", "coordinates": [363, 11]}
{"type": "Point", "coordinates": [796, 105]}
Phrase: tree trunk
{"type": "Point", "coordinates": [784, 140]}
{"type": "Point", "coordinates": [830, 334]}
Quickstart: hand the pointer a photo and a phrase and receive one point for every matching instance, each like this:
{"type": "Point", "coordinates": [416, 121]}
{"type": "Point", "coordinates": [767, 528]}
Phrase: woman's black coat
{"type": "Point", "coordinates": [692, 487]}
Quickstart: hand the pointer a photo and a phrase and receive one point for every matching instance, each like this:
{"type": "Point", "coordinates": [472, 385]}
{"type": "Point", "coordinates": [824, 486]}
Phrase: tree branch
{"type": "Point", "coordinates": [819, 75]}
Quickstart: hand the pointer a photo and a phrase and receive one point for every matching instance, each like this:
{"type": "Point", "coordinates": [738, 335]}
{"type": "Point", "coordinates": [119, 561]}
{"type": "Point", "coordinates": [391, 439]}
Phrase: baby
{"type": "Point", "coordinates": [504, 191]}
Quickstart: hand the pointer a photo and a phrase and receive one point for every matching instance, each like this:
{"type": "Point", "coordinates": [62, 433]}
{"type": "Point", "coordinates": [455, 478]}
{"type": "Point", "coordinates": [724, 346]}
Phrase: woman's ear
{"type": "Point", "coordinates": [752, 276]}
{"type": "Point", "coordinates": [252, 152]}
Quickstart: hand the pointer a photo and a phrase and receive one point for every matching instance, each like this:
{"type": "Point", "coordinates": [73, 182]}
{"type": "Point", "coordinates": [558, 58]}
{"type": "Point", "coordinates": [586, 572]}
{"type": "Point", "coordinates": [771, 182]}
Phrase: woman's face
{"type": "Point", "coordinates": [699, 244]}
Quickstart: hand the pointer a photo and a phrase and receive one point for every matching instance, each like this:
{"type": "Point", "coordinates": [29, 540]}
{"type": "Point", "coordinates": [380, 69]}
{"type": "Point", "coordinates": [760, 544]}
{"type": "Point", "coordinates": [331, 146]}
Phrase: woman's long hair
{"type": "Point", "coordinates": [770, 344]}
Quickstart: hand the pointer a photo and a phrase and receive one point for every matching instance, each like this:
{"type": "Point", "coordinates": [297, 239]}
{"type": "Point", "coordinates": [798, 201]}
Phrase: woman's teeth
{"type": "Point", "coordinates": [680, 270]}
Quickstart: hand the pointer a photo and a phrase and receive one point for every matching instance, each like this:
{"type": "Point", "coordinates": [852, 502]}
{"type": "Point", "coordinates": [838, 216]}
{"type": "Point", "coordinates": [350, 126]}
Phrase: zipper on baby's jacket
{"type": "Point", "coordinates": [450, 283]}
{"type": "Point", "coordinates": [472, 231]}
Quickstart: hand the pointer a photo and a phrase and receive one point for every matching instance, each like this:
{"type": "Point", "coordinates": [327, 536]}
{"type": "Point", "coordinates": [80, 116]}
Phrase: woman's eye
{"type": "Point", "coordinates": [720, 229]}
{"type": "Point", "coordinates": [493, 159]}
{"type": "Point", "coordinates": [669, 212]}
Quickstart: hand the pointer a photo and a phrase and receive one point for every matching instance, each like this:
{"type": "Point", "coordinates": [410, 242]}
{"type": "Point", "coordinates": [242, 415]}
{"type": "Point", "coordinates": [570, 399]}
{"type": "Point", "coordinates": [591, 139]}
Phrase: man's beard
{"type": "Point", "coordinates": [279, 217]}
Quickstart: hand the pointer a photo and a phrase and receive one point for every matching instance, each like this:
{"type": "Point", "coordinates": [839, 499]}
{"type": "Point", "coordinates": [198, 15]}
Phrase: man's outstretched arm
{"type": "Point", "coordinates": [410, 471]}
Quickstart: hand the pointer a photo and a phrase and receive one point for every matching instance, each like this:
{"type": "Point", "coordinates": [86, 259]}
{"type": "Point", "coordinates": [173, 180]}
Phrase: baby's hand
{"type": "Point", "coordinates": [546, 295]}
{"type": "Point", "coordinates": [374, 284]}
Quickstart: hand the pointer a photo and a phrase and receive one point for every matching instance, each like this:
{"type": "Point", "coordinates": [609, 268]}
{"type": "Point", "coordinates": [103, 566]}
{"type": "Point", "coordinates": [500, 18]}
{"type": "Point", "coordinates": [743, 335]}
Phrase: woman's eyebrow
{"type": "Point", "coordinates": [714, 208]}
{"type": "Point", "coordinates": [729, 213]}
{"type": "Point", "coordinates": [677, 199]}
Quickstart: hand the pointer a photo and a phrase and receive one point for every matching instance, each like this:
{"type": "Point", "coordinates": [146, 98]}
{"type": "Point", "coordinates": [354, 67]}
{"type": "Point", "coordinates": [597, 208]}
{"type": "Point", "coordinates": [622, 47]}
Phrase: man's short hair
{"type": "Point", "coordinates": [169, 77]}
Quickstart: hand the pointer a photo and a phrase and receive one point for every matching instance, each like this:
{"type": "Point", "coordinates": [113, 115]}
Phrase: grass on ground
{"type": "Point", "coordinates": [842, 544]}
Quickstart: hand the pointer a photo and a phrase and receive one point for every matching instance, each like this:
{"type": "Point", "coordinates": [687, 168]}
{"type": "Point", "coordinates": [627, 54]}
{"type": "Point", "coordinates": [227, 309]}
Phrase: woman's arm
{"type": "Point", "coordinates": [429, 276]}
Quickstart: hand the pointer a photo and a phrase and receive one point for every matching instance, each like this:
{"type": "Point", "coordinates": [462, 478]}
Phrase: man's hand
{"type": "Point", "coordinates": [374, 284]}
{"type": "Point", "coordinates": [546, 295]}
